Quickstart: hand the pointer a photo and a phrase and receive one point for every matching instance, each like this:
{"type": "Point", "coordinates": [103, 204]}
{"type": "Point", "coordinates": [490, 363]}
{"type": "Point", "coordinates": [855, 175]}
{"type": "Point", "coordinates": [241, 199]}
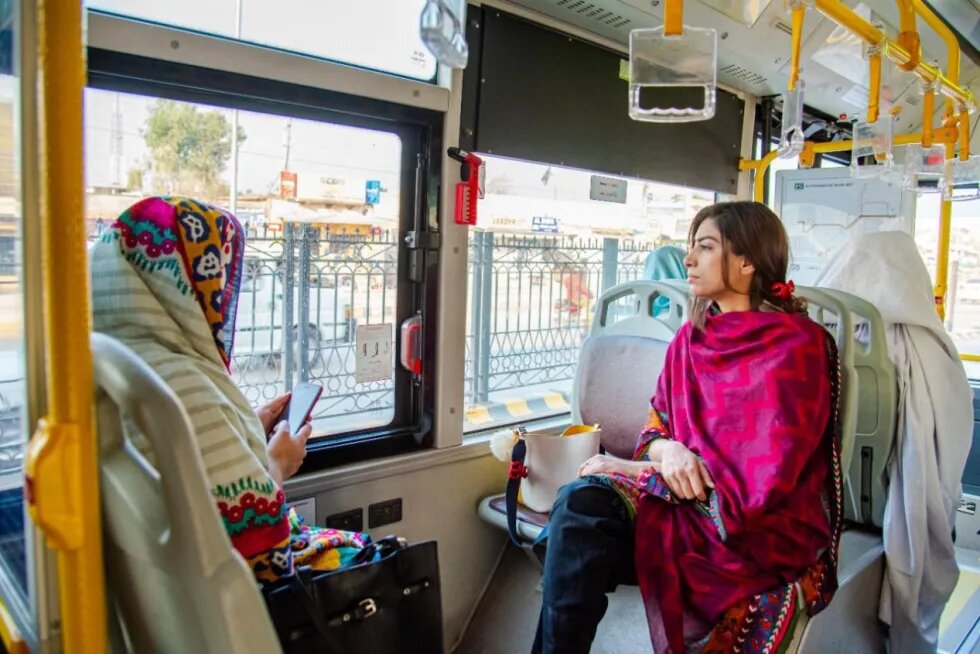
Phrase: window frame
{"type": "Point", "coordinates": [420, 131]}
{"type": "Point", "coordinates": [135, 18]}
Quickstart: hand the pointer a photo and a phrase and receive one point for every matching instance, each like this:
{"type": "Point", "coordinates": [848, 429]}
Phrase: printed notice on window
{"type": "Point", "coordinates": [373, 349]}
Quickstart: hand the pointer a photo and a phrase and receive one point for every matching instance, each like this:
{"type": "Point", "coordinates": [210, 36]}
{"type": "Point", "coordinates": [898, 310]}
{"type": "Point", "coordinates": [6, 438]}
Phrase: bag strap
{"type": "Point", "coordinates": [517, 472]}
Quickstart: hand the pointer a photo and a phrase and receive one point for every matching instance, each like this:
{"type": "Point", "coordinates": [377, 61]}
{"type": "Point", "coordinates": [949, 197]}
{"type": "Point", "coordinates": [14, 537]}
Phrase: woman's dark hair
{"type": "Point", "coordinates": [753, 231]}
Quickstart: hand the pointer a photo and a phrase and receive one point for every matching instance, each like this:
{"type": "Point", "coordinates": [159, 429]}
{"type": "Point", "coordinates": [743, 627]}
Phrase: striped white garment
{"type": "Point", "coordinates": [163, 325]}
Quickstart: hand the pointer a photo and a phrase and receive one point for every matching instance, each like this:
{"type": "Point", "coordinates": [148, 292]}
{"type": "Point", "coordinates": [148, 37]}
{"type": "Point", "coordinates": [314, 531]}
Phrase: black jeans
{"type": "Point", "coordinates": [589, 552]}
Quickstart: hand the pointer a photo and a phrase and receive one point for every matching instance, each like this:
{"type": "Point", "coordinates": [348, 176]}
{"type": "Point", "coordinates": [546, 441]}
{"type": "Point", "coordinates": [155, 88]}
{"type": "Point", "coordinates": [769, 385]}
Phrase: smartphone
{"type": "Point", "coordinates": [301, 403]}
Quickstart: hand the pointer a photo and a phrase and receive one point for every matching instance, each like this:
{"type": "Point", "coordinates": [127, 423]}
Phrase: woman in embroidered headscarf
{"type": "Point", "coordinates": [165, 282]}
{"type": "Point", "coordinates": [729, 515]}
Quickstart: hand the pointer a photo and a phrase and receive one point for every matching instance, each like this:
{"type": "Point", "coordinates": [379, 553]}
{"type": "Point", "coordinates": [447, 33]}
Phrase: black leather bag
{"type": "Point", "coordinates": [389, 605]}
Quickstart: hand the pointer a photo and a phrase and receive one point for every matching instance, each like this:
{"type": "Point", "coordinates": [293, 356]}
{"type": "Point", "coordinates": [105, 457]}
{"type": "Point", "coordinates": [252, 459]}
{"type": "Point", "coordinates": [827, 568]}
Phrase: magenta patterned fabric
{"type": "Point", "coordinates": [753, 395]}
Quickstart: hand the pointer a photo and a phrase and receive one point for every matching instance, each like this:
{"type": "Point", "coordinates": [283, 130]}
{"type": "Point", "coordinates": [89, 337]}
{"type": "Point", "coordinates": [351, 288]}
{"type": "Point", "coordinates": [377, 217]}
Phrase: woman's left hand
{"type": "Point", "coordinates": [270, 412]}
{"type": "Point", "coordinates": [603, 464]}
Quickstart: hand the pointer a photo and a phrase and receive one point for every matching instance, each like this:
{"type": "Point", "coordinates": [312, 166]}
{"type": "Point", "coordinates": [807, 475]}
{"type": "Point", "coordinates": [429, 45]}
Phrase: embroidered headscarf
{"type": "Point", "coordinates": [202, 246]}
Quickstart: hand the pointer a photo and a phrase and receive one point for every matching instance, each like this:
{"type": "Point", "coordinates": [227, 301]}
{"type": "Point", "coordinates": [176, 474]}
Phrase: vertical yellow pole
{"type": "Point", "coordinates": [61, 462]}
{"type": "Point", "coordinates": [794, 74]}
{"type": "Point", "coordinates": [942, 258]}
{"type": "Point", "coordinates": [874, 87]}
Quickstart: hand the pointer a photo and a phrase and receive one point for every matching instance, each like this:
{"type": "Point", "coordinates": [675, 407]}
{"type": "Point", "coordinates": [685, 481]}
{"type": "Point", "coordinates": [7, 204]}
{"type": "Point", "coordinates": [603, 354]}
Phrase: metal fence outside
{"type": "Point", "coordinates": [530, 305]}
{"type": "Point", "coordinates": [321, 285]}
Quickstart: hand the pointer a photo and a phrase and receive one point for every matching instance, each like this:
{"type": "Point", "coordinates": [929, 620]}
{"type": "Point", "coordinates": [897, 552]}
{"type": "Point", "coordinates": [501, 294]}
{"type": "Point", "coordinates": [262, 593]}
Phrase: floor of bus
{"type": "Point", "coordinates": [506, 619]}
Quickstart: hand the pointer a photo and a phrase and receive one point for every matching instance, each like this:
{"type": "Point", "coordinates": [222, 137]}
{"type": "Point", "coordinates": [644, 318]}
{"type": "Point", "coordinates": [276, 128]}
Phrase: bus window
{"type": "Point", "coordinates": [13, 391]}
{"type": "Point", "coordinates": [377, 34]}
{"type": "Point", "coordinates": [332, 191]}
{"type": "Point", "coordinates": [544, 249]}
{"type": "Point", "coordinates": [963, 299]}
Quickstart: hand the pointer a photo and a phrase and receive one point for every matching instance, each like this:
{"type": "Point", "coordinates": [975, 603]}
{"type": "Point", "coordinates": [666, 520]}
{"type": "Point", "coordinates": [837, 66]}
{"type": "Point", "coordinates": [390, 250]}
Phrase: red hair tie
{"type": "Point", "coordinates": [517, 470]}
{"type": "Point", "coordinates": [784, 291]}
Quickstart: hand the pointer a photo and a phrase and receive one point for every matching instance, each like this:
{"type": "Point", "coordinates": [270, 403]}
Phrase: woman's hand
{"type": "Point", "coordinates": [271, 411]}
{"type": "Point", "coordinates": [684, 472]}
{"type": "Point", "coordinates": [603, 464]}
{"type": "Point", "coordinates": [286, 451]}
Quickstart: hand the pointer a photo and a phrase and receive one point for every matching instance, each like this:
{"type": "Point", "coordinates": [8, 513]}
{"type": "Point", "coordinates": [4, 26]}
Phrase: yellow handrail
{"type": "Point", "coordinates": [908, 36]}
{"type": "Point", "coordinates": [952, 69]}
{"type": "Point", "coordinates": [674, 18]}
{"type": "Point", "coordinates": [799, 12]}
{"type": "Point", "coordinates": [760, 166]}
{"type": "Point", "coordinates": [970, 357]}
{"type": "Point", "coordinates": [61, 459]}
{"type": "Point", "coordinates": [846, 17]}
{"type": "Point", "coordinates": [9, 634]}
{"type": "Point", "coordinates": [874, 86]}
{"type": "Point", "coordinates": [928, 109]}
{"type": "Point", "coordinates": [964, 128]}
{"type": "Point", "coordinates": [942, 256]}
{"type": "Point", "coordinates": [952, 45]}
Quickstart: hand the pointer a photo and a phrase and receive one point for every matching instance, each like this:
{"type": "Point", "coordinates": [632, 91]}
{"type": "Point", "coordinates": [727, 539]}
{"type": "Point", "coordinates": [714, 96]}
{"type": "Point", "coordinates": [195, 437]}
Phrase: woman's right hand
{"type": "Point", "coordinates": [286, 451]}
{"type": "Point", "coordinates": [684, 472]}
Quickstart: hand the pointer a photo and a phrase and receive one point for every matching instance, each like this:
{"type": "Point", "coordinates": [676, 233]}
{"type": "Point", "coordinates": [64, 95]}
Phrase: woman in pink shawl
{"type": "Point", "coordinates": [729, 514]}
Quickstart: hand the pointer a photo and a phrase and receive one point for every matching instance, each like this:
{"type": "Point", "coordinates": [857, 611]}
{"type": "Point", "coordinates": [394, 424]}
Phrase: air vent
{"type": "Point", "coordinates": [783, 26]}
{"type": "Point", "coordinates": [598, 14]}
{"type": "Point", "coordinates": [912, 100]}
{"type": "Point", "coordinates": [743, 75]}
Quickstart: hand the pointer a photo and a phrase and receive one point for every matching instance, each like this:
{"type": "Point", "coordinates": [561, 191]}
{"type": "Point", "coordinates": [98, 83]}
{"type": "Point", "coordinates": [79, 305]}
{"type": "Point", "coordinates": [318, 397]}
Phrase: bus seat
{"type": "Point", "coordinates": [830, 311]}
{"type": "Point", "coordinates": [877, 413]}
{"type": "Point", "coordinates": [619, 364]}
{"type": "Point", "coordinates": [175, 580]}
{"type": "Point", "coordinates": [849, 624]}
{"type": "Point", "coordinates": [627, 342]}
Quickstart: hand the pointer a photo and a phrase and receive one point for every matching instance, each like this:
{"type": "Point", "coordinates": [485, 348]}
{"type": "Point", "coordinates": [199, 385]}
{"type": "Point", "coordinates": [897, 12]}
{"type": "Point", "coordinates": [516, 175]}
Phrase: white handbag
{"type": "Point", "coordinates": [552, 460]}
{"type": "Point", "coordinates": [541, 463]}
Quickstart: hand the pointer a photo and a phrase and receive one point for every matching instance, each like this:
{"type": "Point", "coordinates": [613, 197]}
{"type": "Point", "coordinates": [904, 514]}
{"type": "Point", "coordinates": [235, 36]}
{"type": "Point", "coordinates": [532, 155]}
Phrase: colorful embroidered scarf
{"type": "Point", "coordinates": [165, 281]}
{"type": "Point", "coordinates": [208, 241]}
{"type": "Point", "coordinates": [755, 396]}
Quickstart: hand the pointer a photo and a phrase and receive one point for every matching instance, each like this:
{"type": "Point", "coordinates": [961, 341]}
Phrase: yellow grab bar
{"type": "Point", "coordinates": [845, 16]}
{"type": "Point", "coordinates": [799, 12]}
{"type": "Point", "coordinates": [9, 634]}
{"type": "Point", "coordinates": [674, 18]}
{"type": "Point", "coordinates": [952, 45]}
{"type": "Point", "coordinates": [952, 69]}
{"type": "Point", "coordinates": [942, 256]}
{"type": "Point", "coordinates": [61, 465]}
{"type": "Point", "coordinates": [760, 166]}
{"type": "Point", "coordinates": [928, 109]}
{"type": "Point", "coordinates": [874, 90]}
{"type": "Point", "coordinates": [964, 135]}
{"type": "Point", "coordinates": [908, 35]}
{"type": "Point", "coordinates": [970, 357]}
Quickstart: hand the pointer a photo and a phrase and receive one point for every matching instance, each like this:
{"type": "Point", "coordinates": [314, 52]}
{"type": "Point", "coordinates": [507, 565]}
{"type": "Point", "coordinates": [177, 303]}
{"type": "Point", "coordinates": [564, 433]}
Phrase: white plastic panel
{"type": "Point", "coordinates": [823, 208]}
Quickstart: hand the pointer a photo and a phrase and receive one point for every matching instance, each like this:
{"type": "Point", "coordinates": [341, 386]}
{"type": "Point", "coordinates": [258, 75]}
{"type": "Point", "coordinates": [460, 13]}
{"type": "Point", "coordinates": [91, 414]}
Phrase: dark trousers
{"type": "Point", "coordinates": [589, 552]}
